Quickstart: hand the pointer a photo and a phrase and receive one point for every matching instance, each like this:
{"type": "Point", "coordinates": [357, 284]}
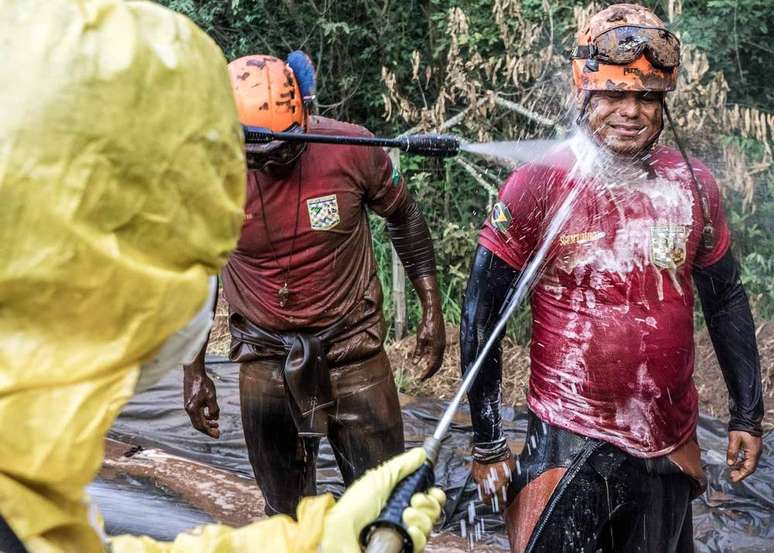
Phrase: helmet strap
{"type": "Point", "coordinates": [584, 107]}
{"type": "Point", "coordinates": [708, 231]}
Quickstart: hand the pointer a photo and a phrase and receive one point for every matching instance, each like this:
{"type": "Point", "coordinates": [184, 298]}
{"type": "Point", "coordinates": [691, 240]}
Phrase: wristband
{"type": "Point", "coordinates": [491, 452]}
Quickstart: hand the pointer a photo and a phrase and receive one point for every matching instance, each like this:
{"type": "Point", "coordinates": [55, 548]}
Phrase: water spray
{"type": "Point", "coordinates": [435, 145]}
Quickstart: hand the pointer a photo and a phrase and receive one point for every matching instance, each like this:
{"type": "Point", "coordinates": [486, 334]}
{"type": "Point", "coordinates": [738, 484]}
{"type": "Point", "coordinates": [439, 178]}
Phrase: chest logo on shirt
{"type": "Point", "coordinates": [668, 245]}
{"type": "Point", "coordinates": [580, 238]}
{"type": "Point", "coordinates": [501, 216]}
{"type": "Point", "coordinates": [323, 212]}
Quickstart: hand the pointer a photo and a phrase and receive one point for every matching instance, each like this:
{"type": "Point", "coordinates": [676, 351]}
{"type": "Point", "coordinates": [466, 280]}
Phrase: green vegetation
{"type": "Point", "coordinates": [395, 65]}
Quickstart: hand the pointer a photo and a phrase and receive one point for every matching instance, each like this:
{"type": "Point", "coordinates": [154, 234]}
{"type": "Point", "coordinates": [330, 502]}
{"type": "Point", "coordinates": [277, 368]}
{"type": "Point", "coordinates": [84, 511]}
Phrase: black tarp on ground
{"type": "Point", "coordinates": [729, 517]}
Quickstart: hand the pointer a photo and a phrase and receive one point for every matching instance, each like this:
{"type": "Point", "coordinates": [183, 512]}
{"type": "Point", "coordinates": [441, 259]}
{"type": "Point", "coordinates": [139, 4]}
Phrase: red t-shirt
{"type": "Point", "coordinates": [329, 258]}
{"type": "Point", "coordinates": [612, 348]}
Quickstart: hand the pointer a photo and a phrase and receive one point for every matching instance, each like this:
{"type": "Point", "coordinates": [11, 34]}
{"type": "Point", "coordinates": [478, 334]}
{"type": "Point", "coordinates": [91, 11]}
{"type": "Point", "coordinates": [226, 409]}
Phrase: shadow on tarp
{"type": "Point", "coordinates": [728, 517]}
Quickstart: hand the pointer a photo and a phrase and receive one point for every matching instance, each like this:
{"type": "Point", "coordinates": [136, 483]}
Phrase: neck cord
{"type": "Point", "coordinates": [708, 232]}
{"type": "Point", "coordinates": [284, 291]}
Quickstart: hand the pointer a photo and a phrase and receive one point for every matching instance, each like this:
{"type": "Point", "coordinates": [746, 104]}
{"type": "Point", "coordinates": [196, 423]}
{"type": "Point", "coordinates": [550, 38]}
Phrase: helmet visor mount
{"type": "Point", "coordinates": [623, 45]}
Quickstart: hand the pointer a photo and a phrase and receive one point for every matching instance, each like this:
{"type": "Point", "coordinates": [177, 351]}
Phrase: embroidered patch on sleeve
{"type": "Point", "coordinates": [323, 212]}
{"type": "Point", "coordinates": [501, 217]}
{"type": "Point", "coordinates": [395, 176]}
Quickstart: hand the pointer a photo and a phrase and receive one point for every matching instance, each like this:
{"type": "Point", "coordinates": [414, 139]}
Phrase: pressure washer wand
{"type": "Point", "coordinates": [387, 534]}
{"type": "Point", "coordinates": [436, 145]}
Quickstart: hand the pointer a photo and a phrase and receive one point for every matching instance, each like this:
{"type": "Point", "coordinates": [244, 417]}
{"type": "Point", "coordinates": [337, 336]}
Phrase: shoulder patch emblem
{"type": "Point", "coordinates": [395, 176]}
{"type": "Point", "coordinates": [668, 246]}
{"type": "Point", "coordinates": [323, 212]}
{"type": "Point", "coordinates": [501, 217]}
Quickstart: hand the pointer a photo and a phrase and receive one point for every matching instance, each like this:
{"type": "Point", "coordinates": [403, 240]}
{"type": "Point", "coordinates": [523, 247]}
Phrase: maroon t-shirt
{"type": "Point", "coordinates": [612, 348]}
{"type": "Point", "coordinates": [327, 254]}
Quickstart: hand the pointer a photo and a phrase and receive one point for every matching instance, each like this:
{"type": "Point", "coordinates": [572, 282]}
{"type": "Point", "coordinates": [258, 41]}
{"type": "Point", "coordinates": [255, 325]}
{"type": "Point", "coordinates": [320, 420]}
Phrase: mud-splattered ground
{"type": "Point", "coordinates": [225, 496]}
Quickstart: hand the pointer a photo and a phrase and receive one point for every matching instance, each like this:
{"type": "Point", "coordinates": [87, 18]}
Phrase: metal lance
{"type": "Point", "coordinates": [387, 534]}
{"type": "Point", "coordinates": [436, 145]}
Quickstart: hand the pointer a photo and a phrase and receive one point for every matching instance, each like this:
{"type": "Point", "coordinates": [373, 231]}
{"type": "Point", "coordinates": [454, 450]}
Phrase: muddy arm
{"type": "Point", "coordinates": [411, 238]}
{"type": "Point", "coordinates": [199, 395]}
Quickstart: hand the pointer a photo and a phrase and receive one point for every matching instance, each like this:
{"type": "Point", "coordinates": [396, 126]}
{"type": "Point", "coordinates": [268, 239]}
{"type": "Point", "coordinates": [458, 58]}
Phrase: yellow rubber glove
{"type": "Point", "coordinates": [364, 500]}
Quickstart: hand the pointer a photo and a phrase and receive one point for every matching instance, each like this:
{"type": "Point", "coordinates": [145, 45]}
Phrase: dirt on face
{"type": "Point", "coordinates": [626, 123]}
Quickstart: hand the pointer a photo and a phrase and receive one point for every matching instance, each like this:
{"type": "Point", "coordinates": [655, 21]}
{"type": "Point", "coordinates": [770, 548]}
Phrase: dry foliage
{"type": "Point", "coordinates": [444, 384]}
{"type": "Point", "coordinates": [468, 80]}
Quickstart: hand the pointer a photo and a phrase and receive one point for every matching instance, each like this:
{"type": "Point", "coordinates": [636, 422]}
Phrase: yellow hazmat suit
{"type": "Point", "coordinates": [121, 189]}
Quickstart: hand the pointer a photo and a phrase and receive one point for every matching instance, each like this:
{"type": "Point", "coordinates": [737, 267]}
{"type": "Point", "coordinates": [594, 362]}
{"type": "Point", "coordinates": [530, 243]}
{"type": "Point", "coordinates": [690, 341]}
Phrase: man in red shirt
{"type": "Point", "coordinates": [611, 460]}
{"type": "Point", "coordinates": [305, 300]}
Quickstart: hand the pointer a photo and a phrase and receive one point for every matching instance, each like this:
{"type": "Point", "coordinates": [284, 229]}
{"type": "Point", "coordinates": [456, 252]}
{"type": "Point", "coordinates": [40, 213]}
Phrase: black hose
{"type": "Point", "coordinates": [9, 542]}
{"type": "Point", "coordinates": [436, 145]}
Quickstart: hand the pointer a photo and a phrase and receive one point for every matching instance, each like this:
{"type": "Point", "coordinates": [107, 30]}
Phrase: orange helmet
{"type": "Point", "coordinates": [266, 92]}
{"type": "Point", "coordinates": [626, 47]}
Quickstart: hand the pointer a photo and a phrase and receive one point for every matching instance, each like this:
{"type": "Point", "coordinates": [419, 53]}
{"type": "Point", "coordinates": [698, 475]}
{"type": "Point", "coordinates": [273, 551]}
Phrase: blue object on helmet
{"type": "Point", "coordinates": [305, 73]}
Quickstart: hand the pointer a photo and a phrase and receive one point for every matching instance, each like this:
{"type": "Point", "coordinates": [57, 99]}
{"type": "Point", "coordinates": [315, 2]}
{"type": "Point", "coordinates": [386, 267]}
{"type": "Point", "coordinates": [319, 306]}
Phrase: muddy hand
{"type": "Point", "coordinates": [200, 400]}
{"type": "Point", "coordinates": [431, 334]}
{"type": "Point", "coordinates": [750, 448]}
{"type": "Point", "coordinates": [431, 342]}
{"type": "Point", "coordinates": [493, 480]}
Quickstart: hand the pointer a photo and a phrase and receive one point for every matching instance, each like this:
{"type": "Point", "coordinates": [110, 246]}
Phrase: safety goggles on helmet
{"type": "Point", "coordinates": [623, 45]}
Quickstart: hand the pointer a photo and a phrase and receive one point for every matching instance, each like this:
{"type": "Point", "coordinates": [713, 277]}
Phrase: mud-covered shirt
{"type": "Point", "coordinates": [312, 229]}
{"type": "Point", "coordinates": [612, 350]}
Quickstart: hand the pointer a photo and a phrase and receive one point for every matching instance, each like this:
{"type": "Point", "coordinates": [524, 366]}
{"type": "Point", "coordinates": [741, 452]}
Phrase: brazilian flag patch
{"type": "Point", "coordinates": [501, 217]}
{"type": "Point", "coordinates": [395, 176]}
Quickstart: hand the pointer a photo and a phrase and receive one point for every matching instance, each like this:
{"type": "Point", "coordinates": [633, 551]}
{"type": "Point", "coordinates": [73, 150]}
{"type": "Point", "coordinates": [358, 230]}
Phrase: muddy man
{"type": "Point", "coordinates": [304, 295]}
{"type": "Point", "coordinates": [611, 460]}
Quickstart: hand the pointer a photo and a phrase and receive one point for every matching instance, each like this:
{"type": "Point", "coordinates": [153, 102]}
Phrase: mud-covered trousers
{"type": "Point", "coordinates": [365, 428]}
{"type": "Point", "coordinates": [572, 494]}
